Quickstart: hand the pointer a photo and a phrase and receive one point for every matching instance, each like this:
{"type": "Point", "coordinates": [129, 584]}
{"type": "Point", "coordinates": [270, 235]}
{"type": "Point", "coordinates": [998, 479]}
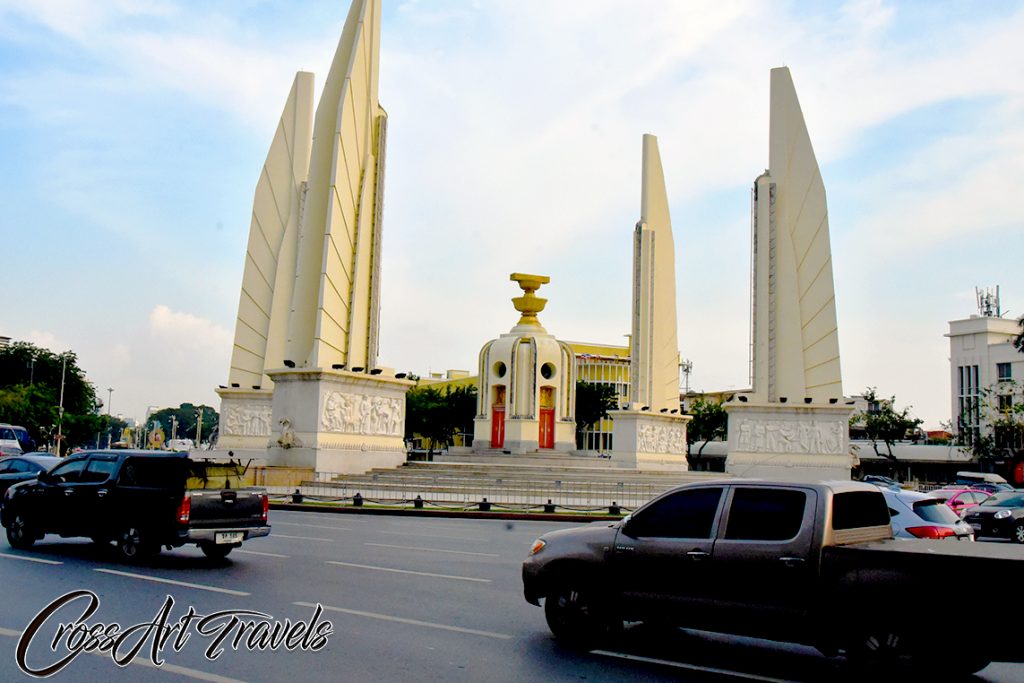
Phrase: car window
{"type": "Point", "coordinates": [69, 471]}
{"type": "Point", "coordinates": [935, 511]}
{"type": "Point", "coordinates": [98, 470]}
{"type": "Point", "coordinates": [684, 514]}
{"type": "Point", "coordinates": [765, 514]}
{"type": "Point", "coordinates": [7, 434]}
{"type": "Point", "coordinates": [855, 509]}
{"type": "Point", "coordinates": [22, 466]}
{"type": "Point", "coordinates": [5, 466]}
{"type": "Point", "coordinates": [1006, 500]}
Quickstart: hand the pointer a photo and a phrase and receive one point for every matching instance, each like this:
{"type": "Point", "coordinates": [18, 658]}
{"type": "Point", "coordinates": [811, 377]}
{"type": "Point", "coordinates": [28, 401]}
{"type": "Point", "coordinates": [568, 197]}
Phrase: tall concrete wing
{"type": "Point", "coordinates": [269, 273]}
{"type": "Point", "coordinates": [335, 304]}
{"type": "Point", "coordinates": [795, 337]}
{"type": "Point", "coordinates": [655, 349]}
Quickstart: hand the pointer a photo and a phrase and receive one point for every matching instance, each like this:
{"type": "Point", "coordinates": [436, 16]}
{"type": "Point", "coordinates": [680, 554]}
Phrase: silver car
{"type": "Point", "coordinates": [918, 515]}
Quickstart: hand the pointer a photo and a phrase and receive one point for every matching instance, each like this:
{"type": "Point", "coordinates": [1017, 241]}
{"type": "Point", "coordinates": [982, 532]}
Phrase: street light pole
{"type": "Point", "coordinates": [60, 407]}
{"type": "Point", "coordinates": [110, 395]}
{"type": "Point", "coordinates": [199, 428]}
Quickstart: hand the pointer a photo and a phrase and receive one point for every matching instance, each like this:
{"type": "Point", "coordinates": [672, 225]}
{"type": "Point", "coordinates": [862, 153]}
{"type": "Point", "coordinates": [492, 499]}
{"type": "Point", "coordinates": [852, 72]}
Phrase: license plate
{"type": "Point", "coordinates": [976, 527]}
{"type": "Point", "coordinates": [229, 536]}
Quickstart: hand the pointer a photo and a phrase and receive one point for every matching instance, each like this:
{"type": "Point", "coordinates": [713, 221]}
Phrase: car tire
{"type": "Point", "coordinates": [878, 649]}
{"type": "Point", "coordinates": [215, 551]}
{"type": "Point", "coordinates": [19, 534]}
{"type": "Point", "coordinates": [1018, 533]}
{"type": "Point", "coordinates": [132, 546]}
{"type": "Point", "coordinates": [578, 617]}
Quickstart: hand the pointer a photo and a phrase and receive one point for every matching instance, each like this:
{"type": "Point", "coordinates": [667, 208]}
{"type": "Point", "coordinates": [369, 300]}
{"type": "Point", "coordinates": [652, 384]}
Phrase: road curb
{"type": "Point", "coordinates": [468, 514]}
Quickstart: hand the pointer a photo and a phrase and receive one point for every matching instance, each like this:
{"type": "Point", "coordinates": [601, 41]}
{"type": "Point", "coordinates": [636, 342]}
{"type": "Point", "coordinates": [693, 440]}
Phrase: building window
{"type": "Point", "coordinates": [969, 403]}
{"type": "Point", "coordinates": [1003, 372]}
{"type": "Point", "coordinates": [1005, 403]}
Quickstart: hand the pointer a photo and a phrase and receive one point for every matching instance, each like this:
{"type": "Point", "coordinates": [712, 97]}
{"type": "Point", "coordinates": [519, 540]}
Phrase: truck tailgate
{"type": "Point", "coordinates": [226, 508]}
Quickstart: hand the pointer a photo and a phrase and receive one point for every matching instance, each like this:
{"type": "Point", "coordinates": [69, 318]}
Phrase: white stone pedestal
{"type": "Point", "coordinates": [245, 423]}
{"type": "Point", "coordinates": [337, 421]}
{"type": "Point", "coordinates": [788, 442]}
{"type": "Point", "coordinates": [649, 441]}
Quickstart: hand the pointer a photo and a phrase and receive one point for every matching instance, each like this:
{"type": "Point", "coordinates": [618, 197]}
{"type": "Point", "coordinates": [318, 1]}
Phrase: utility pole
{"type": "Point", "coordinates": [199, 427]}
{"type": "Point", "coordinates": [60, 407]}
{"type": "Point", "coordinates": [110, 395]}
{"type": "Point", "coordinates": [174, 427]}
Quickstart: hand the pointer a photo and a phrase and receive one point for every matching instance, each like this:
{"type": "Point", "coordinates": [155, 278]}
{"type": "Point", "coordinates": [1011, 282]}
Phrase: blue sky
{"type": "Point", "coordinates": [133, 132]}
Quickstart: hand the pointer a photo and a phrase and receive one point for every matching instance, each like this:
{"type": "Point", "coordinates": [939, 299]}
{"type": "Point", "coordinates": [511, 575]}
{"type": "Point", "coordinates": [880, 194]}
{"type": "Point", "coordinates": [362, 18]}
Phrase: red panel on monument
{"type": "Point", "coordinates": [547, 428]}
{"type": "Point", "coordinates": [497, 426]}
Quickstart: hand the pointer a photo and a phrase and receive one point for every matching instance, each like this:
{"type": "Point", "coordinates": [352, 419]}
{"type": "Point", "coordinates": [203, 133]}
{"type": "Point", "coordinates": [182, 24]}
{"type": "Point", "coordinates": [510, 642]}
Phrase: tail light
{"type": "Point", "coordinates": [185, 509]}
{"type": "Point", "coordinates": [931, 531]}
{"type": "Point", "coordinates": [266, 507]}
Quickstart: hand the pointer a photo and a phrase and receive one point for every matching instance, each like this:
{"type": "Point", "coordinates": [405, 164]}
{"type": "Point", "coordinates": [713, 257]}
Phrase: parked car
{"type": "Point", "coordinates": [19, 468]}
{"type": "Point", "coordinates": [803, 563]}
{"type": "Point", "coordinates": [921, 515]}
{"type": "Point", "coordinates": [960, 499]}
{"type": "Point", "coordinates": [879, 480]}
{"type": "Point", "coordinates": [15, 439]}
{"type": "Point", "coordinates": [141, 500]}
{"type": "Point", "coordinates": [1001, 516]}
{"type": "Point", "coordinates": [992, 487]}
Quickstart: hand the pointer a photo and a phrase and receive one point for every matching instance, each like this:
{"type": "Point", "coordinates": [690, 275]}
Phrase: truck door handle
{"type": "Point", "coordinates": [792, 561]}
{"type": "Point", "coordinates": [68, 492]}
{"type": "Point", "coordinates": [101, 493]}
{"type": "Point", "coordinates": [696, 555]}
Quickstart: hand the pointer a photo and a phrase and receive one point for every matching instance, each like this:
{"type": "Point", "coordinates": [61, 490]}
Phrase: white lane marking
{"type": "Point", "coordinates": [305, 538]}
{"type": "Point", "coordinates": [349, 517]}
{"type": "Point", "coordinates": [30, 559]}
{"type": "Point", "coordinates": [453, 538]}
{"type": "Point", "coordinates": [157, 579]}
{"type": "Point", "coordinates": [314, 526]}
{"type": "Point", "coordinates": [411, 622]}
{"type": "Point", "coordinates": [433, 550]}
{"type": "Point", "coordinates": [690, 667]}
{"type": "Point", "coordinates": [255, 552]}
{"type": "Point", "coordinates": [408, 571]}
{"type": "Point", "coordinates": [170, 668]}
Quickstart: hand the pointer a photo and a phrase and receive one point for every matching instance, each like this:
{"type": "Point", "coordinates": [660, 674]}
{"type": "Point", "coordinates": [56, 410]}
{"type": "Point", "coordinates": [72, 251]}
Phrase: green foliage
{"type": "Point", "coordinates": [593, 401]}
{"type": "Point", "coordinates": [438, 416]}
{"type": "Point", "coordinates": [710, 421]}
{"type": "Point", "coordinates": [886, 424]}
{"type": "Point", "coordinates": [1018, 341]}
{"type": "Point", "coordinates": [30, 389]}
{"type": "Point", "coordinates": [187, 415]}
{"type": "Point", "coordinates": [1002, 407]}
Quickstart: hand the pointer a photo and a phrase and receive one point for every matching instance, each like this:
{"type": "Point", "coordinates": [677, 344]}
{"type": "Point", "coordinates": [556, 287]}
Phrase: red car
{"type": "Point", "coordinates": [961, 499]}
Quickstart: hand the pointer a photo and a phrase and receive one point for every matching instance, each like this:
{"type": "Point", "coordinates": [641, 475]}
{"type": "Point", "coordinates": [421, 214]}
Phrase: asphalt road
{"type": "Point", "coordinates": [408, 599]}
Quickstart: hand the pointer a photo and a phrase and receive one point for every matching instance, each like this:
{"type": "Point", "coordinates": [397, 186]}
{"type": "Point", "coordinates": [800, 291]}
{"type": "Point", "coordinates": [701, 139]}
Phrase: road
{"type": "Point", "coordinates": [419, 599]}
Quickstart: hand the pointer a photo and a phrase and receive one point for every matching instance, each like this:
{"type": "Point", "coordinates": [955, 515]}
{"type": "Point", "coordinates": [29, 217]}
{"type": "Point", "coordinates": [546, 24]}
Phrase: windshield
{"type": "Point", "coordinates": [1006, 500]}
{"type": "Point", "coordinates": [935, 511]}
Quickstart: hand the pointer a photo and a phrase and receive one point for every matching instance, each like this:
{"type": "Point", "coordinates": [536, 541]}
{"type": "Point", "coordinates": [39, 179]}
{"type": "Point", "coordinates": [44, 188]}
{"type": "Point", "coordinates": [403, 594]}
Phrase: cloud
{"type": "Point", "coordinates": [185, 331]}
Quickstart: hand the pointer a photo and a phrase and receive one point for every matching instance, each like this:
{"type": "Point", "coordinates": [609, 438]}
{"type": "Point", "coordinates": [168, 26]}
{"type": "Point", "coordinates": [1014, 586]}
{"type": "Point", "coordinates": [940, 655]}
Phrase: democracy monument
{"type": "Point", "coordinates": [305, 388]}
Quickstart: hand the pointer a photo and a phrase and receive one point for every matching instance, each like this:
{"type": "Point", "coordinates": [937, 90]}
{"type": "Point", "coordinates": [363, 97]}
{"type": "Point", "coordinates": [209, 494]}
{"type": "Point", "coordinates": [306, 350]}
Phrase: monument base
{"type": "Point", "coordinates": [333, 421]}
{"type": "Point", "coordinates": [789, 443]}
{"type": "Point", "coordinates": [649, 441]}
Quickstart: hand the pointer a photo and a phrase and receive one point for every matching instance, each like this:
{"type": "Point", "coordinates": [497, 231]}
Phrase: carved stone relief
{"type": "Point", "coordinates": [246, 420]}
{"type": "Point", "coordinates": [790, 436]}
{"type": "Point", "coordinates": [358, 414]}
{"type": "Point", "coordinates": [661, 439]}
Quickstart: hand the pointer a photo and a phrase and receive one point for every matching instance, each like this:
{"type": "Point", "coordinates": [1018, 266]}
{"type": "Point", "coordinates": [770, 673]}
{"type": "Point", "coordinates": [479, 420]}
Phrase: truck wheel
{"type": "Point", "coordinates": [19, 534]}
{"type": "Point", "coordinates": [215, 551]}
{"type": "Point", "coordinates": [132, 546]}
{"type": "Point", "coordinates": [577, 616]}
{"type": "Point", "coordinates": [1018, 533]}
{"type": "Point", "coordinates": [878, 649]}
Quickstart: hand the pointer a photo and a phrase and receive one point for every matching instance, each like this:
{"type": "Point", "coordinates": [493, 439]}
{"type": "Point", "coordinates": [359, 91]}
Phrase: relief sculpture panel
{"type": "Point", "coordinates": [661, 439]}
{"type": "Point", "coordinates": [358, 414]}
{"type": "Point", "coordinates": [246, 420]}
{"type": "Point", "coordinates": [791, 436]}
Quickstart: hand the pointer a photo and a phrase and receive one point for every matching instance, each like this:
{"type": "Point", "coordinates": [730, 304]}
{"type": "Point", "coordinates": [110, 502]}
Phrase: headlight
{"type": "Point", "coordinates": [538, 545]}
{"type": "Point", "coordinates": [1003, 514]}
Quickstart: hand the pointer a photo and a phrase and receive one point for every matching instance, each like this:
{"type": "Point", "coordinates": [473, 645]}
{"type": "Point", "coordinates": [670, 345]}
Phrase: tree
{"type": "Point", "coordinates": [186, 417]}
{"type": "Point", "coordinates": [1018, 341]}
{"type": "Point", "coordinates": [437, 416]}
{"type": "Point", "coordinates": [1002, 408]}
{"type": "Point", "coordinates": [710, 421]}
{"type": "Point", "coordinates": [882, 422]}
{"type": "Point", "coordinates": [31, 378]}
{"type": "Point", "coordinates": [593, 401]}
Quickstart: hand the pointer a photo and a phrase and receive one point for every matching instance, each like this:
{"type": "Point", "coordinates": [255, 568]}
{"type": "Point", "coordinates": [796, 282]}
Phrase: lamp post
{"type": "Point", "coordinates": [110, 394]}
{"type": "Point", "coordinates": [60, 406]}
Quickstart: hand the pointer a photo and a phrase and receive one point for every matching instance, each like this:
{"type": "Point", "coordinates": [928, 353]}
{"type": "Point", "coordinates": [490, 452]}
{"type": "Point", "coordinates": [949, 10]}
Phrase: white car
{"type": "Point", "coordinates": [918, 515]}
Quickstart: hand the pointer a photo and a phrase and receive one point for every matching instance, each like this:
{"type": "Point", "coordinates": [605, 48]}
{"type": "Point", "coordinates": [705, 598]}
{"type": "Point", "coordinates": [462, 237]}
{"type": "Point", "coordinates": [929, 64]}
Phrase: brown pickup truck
{"type": "Point", "coordinates": [806, 563]}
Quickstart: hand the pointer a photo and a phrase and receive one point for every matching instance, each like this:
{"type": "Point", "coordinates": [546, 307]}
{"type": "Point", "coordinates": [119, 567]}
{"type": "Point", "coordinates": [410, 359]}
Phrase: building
{"type": "Point", "coordinates": [986, 373]}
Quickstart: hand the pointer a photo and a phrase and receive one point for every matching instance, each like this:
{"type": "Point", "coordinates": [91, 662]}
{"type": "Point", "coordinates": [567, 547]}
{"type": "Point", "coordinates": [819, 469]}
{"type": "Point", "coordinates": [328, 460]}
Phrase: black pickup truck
{"type": "Point", "coordinates": [814, 564]}
{"type": "Point", "coordinates": [140, 500]}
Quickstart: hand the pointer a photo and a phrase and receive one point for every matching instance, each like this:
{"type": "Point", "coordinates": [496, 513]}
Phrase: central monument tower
{"type": "Point", "coordinates": [305, 387]}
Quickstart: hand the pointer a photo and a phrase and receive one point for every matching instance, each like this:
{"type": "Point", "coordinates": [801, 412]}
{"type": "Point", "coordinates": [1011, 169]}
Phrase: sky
{"type": "Point", "coordinates": [132, 134]}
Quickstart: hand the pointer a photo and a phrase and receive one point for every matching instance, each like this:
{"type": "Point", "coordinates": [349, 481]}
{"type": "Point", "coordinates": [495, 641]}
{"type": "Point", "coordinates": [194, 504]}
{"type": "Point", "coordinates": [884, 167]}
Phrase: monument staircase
{"type": "Point", "coordinates": [524, 481]}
